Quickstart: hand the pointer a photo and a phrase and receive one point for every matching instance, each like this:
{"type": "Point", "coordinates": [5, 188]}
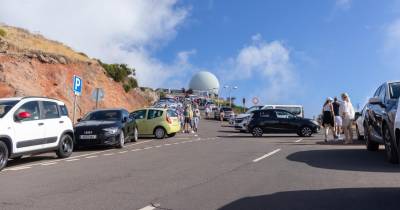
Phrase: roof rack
{"type": "Point", "coordinates": [27, 97]}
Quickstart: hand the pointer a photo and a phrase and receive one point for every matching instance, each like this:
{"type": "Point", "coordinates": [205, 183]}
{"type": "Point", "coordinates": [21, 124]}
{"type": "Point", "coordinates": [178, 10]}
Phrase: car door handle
{"type": "Point", "coordinates": [40, 124]}
{"type": "Point", "coordinates": [61, 121]}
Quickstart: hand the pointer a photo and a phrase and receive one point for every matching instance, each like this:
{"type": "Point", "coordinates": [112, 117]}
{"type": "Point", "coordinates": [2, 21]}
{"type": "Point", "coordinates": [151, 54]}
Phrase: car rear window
{"type": "Point", "coordinates": [153, 113]}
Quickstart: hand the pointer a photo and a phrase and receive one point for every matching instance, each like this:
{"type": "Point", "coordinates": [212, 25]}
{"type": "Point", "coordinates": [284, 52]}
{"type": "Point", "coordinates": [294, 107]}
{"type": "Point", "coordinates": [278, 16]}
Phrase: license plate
{"type": "Point", "coordinates": [88, 136]}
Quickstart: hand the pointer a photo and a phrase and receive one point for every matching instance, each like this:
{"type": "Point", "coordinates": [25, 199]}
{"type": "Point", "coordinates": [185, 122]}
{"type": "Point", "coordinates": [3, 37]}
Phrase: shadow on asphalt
{"type": "Point", "coordinates": [332, 199]}
{"type": "Point", "coordinates": [340, 142]}
{"type": "Point", "coordinates": [263, 137]}
{"type": "Point", "coordinates": [345, 159]}
{"type": "Point", "coordinates": [31, 159]}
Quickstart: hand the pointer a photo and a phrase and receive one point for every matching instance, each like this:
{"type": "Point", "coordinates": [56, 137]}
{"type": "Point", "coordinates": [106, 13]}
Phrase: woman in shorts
{"type": "Point", "coordinates": [328, 120]}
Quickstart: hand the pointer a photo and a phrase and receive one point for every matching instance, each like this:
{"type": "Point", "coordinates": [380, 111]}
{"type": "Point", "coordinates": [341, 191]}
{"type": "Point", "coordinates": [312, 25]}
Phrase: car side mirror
{"type": "Point", "coordinates": [79, 119]}
{"type": "Point", "coordinates": [375, 100]}
{"type": "Point", "coordinates": [24, 115]}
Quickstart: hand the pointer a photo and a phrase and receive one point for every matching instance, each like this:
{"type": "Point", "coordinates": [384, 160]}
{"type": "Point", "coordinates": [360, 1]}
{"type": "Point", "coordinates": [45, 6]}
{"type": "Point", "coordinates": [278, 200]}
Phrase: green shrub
{"type": "Point", "coordinates": [132, 82]}
{"type": "Point", "coordinates": [121, 73]}
{"type": "Point", "coordinates": [3, 32]}
{"type": "Point", "coordinates": [127, 88]}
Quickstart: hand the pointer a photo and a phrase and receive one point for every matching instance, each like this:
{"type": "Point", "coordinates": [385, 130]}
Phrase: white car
{"type": "Point", "coordinates": [360, 124]}
{"type": "Point", "coordinates": [241, 120]}
{"type": "Point", "coordinates": [33, 125]}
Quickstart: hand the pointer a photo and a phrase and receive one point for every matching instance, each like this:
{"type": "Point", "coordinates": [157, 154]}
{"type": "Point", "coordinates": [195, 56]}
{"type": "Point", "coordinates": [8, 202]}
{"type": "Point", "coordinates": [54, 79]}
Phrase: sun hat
{"type": "Point", "coordinates": [329, 99]}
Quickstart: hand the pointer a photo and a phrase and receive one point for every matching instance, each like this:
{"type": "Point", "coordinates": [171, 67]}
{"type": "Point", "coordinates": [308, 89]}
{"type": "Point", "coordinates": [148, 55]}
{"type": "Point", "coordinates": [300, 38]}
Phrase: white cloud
{"type": "Point", "coordinates": [343, 4]}
{"type": "Point", "coordinates": [269, 61]}
{"type": "Point", "coordinates": [126, 31]}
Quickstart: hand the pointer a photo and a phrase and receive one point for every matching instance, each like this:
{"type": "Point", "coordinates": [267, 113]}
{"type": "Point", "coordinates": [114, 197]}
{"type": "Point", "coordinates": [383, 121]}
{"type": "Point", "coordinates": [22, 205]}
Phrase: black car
{"type": "Point", "coordinates": [280, 121]}
{"type": "Point", "coordinates": [380, 119]}
{"type": "Point", "coordinates": [112, 127]}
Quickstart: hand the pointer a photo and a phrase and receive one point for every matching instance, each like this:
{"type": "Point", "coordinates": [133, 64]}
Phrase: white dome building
{"type": "Point", "coordinates": [204, 81]}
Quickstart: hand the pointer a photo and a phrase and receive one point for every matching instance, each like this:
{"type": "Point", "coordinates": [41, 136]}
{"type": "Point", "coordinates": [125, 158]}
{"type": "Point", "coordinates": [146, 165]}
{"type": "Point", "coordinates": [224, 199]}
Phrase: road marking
{"type": "Point", "coordinates": [122, 152]}
{"type": "Point", "coordinates": [167, 144]}
{"type": "Point", "coordinates": [72, 160]}
{"type": "Point", "coordinates": [93, 156]}
{"type": "Point", "coordinates": [158, 146]}
{"type": "Point", "coordinates": [108, 154]}
{"type": "Point", "coordinates": [176, 143]}
{"type": "Point", "coordinates": [18, 168]}
{"type": "Point", "coordinates": [47, 164]}
{"type": "Point", "coordinates": [299, 140]}
{"type": "Point", "coordinates": [148, 148]}
{"type": "Point", "coordinates": [134, 150]}
{"type": "Point", "coordinates": [148, 208]}
{"type": "Point", "coordinates": [266, 155]}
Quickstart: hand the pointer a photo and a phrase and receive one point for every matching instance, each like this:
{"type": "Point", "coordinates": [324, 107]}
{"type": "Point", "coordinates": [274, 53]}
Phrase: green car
{"type": "Point", "coordinates": [157, 122]}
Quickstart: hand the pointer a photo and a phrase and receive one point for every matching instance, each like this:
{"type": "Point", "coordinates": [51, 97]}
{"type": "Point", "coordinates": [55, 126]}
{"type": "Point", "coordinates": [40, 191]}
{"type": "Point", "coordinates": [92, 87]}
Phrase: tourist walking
{"type": "Point", "coordinates": [338, 118]}
{"type": "Point", "coordinates": [347, 113]}
{"type": "Point", "coordinates": [328, 121]}
{"type": "Point", "coordinates": [196, 119]}
{"type": "Point", "coordinates": [188, 114]}
{"type": "Point", "coordinates": [208, 110]}
{"type": "Point", "coordinates": [221, 115]}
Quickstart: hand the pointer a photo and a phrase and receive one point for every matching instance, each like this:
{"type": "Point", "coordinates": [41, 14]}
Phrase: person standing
{"type": "Point", "coordinates": [328, 121]}
{"type": "Point", "coordinates": [338, 119]}
{"type": "Point", "coordinates": [196, 119]}
{"type": "Point", "coordinates": [208, 111]}
{"type": "Point", "coordinates": [221, 115]}
{"type": "Point", "coordinates": [347, 113]}
{"type": "Point", "coordinates": [188, 113]}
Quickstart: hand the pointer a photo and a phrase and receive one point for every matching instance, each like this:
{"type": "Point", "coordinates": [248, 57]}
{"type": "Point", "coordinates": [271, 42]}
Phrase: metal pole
{"type": "Point", "coordinates": [97, 97]}
{"type": "Point", "coordinates": [230, 99]}
{"type": "Point", "coordinates": [74, 111]}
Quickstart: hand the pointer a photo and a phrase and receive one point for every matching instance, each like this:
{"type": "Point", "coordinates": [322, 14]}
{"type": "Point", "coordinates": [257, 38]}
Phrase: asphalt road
{"type": "Point", "coordinates": [218, 169]}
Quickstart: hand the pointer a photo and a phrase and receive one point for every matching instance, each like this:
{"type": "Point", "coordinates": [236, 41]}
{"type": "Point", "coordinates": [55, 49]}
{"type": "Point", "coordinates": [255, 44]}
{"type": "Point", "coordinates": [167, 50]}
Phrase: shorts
{"type": "Point", "coordinates": [347, 122]}
{"type": "Point", "coordinates": [338, 121]}
{"type": "Point", "coordinates": [188, 120]}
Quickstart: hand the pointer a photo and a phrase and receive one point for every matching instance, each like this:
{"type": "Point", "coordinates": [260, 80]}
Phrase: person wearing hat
{"type": "Point", "coordinates": [347, 113]}
{"type": "Point", "coordinates": [328, 120]}
{"type": "Point", "coordinates": [338, 118]}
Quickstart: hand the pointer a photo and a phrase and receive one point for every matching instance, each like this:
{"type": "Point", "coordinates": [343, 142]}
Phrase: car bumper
{"type": "Point", "coordinates": [102, 139]}
{"type": "Point", "coordinates": [173, 128]}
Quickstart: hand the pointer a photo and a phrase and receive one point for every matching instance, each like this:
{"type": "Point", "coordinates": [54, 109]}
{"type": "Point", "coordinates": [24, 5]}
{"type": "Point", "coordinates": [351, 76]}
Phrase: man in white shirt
{"type": "Point", "coordinates": [347, 113]}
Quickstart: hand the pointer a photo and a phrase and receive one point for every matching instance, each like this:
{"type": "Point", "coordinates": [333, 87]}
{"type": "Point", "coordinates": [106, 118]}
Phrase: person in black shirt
{"type": "Point", "coordinates": [338, 118]}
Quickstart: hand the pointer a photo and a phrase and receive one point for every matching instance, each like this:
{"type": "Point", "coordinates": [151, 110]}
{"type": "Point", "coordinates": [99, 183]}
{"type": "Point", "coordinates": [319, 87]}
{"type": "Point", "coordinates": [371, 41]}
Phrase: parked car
{"type": "Point", "coordinates": [228, 113]}
{"type": "Point", "coordinates": [397, 124]}
{"type": "Point", "coordinates": [32, 125]}
{"type": "Point", "coordinates": [111, 127]}
{"type": "Point", "coordinates": [281, 121]}
{"type": "Point", "coordinates": [242, 120]}
{"type": "Point", "coordinates": [157, 122]}
{"type": "Point", "coordinates": [297, 110]}
{"type": "Point", "coordinates": [380, 120]}
{"type": "Point", "coordinates": [359, 119]}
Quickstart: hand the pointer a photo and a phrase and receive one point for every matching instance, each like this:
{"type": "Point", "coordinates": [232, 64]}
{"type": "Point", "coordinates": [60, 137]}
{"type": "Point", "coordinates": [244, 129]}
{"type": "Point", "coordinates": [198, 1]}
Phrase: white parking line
{"type": "Point", "coordinates": [158, 146]}
{"type": "Point", "coordinates": [72, 160]}
{"type": "Point", "coordinates": [167, 144]}
{"type": "Point", "coordinates": [47, 164]}
{"type": "Point", "coordinates": [122, 152]}
{"type": "Point", "coordinates": [134, 150]}
{"type": "Point", "coordinates": [108, 154]}
{"type": "Point", "coordinates": [17, 168]}
{"type": "Point", "coordinates": [266, 155]}
{"type": "Point", "coordinates": [93, 156]}
{"type": "Point", "coordinates": [148, 148]}
{"type": "Point", "coordinates": [148, 208]}
{"type": "Point", "coordinates": [299, 140]}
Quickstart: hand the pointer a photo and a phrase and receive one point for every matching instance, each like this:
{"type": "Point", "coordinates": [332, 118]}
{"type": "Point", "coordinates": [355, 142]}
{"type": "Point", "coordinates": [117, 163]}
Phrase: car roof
{"type": "Point", "coordinates": [111, 109]}
{"type": "Point", "coordinates": [39, 98]}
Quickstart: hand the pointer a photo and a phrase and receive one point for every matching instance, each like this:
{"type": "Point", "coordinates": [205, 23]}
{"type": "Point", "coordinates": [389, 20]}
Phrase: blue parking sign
{"type": "Point", "coordinates": [77, 85]}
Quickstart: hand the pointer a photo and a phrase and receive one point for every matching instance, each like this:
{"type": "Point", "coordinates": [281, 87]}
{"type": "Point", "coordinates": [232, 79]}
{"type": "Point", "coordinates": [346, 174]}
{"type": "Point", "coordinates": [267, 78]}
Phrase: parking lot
{"type": "Point", "coordinates": [217, 169]}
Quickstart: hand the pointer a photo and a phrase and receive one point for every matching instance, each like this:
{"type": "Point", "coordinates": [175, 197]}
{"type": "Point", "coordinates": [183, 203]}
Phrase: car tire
{"type": "Point", "coordinates": [371, 146]}
{"type": "Point", "coordinates": [135, 135]}
{"type": "Point", "coordinates": [257, 132]}
{"type": "Point", "coordinates": [3, 155]}
{"type": "Point", "coordinates": [392, 155]}
{"type": "Point", "coordinates": [305, 131]}
{"type": "Point", "coordinates": [159, 133]}
{"type": "Point", "coordinates": [121, 141]}
{"type": "Point", "coordinates": [65, 147]}
{"type": "Point", "coordinates": [359, 136]}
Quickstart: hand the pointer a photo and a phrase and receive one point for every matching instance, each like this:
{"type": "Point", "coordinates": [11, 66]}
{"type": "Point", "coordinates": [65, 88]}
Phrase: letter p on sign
{"type": "Point", "coordinates": [77, 85]}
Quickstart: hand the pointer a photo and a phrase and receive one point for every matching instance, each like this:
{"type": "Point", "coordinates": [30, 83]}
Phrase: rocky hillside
{"type": "Point", "coordinates": [31, 65]}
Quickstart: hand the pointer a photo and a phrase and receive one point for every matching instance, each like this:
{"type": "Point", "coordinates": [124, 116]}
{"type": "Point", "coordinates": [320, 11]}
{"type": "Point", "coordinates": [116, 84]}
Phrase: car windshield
{"type": "Point", "coordinates": [106, 115]}
{"type": "Point", "coordinates": [226, 109]}
{"type": "Point", "coordinates": [5, 106]}
{"type": "Point", "coordinates": [394, 89]}
{"type": "Point", "coordinates": [251, 109]}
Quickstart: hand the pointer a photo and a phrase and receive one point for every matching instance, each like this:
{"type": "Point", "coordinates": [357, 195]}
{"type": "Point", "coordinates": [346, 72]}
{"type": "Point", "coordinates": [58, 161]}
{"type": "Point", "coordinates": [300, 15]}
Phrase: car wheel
{"type": "Point", "coordinates": [171, 135]}
{"type": "Point", "coordinates": [391, 151]}
{"type": "Point", "coordinates": [159, 133]}
{"type": "Point", "coordinates": [371, 146]}
{"type": "Point", "coordinates": [135, 135]}
{"type": "Point", "coordinates": [305, 131]}
{"type": "Point", "coordinates": [257, 132]}
{"type": "Point", "coordinates": [3, 155]}
{"type": "Point", "coordinates": [65, 147]}
{"type": "Point", "coordinates": [121, 140]}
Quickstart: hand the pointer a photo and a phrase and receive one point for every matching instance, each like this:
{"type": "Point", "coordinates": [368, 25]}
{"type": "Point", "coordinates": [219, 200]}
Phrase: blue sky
{"type": "Point", "coordinates": [283, 51]}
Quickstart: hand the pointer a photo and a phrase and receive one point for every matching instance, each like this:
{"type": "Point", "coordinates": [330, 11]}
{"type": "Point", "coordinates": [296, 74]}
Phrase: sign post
{"type": "Point", "coordinates": [97, 96]}
{"type": "Point", "coordinates": [256, 100]}
{"type": "Point", "coordinates": [77, 88]}
{"type": "Point", "coordinates": [244, 104]}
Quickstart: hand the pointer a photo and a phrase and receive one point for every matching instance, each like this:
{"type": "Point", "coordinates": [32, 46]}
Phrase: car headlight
{"type": "Point", "coordinates": [112, 130]}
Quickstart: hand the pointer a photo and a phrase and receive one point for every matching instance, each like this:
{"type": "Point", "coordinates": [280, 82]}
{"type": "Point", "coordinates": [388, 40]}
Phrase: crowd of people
{"type": "Point", "coordinates": [338, 117]}
{"type": "Point", "coordinates": [189, 116]}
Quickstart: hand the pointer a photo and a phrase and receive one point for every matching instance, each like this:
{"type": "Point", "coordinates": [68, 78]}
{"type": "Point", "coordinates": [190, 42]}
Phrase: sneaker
{"type": "Point", "coordinates": [192, 131]}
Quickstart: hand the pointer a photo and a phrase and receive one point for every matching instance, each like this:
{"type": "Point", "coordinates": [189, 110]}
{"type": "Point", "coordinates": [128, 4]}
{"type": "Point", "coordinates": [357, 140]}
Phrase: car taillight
{"type": "Point", "coordinates": [169, 120]}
